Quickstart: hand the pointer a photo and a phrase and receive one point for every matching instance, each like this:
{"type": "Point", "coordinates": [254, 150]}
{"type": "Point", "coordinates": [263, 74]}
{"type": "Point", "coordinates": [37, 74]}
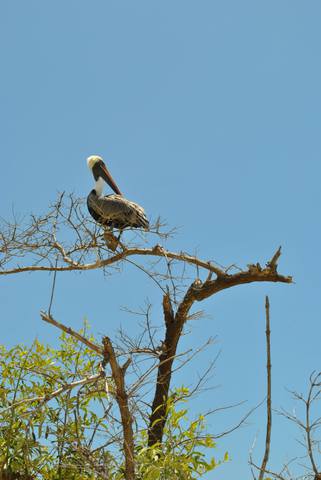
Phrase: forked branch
{"type": "Point", "coordinates": [174, 323]}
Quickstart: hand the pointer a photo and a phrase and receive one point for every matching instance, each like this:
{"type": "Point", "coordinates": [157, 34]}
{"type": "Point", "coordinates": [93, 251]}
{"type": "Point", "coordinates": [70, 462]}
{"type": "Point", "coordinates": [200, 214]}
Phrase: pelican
{"type": "Point", "coordinates": [113, 211]}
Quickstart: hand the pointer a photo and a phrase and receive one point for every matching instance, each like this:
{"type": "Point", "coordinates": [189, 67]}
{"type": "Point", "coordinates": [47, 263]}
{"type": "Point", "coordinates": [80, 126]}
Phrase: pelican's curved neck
{"type": "Point", "coordinates": [99, 186]}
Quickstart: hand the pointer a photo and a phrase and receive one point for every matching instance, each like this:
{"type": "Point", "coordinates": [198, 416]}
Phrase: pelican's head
{"type": "Point", "coordinates": [92, 160]}
{"type": "Point", "coordinates": [99, 170]}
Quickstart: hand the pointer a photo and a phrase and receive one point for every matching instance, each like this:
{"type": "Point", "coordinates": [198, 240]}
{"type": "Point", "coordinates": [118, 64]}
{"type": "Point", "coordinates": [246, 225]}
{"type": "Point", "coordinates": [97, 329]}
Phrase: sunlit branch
{"type": "Point", "coordinates": [49, 319]}
{"type": "Point", "coordinates": [55, 393]}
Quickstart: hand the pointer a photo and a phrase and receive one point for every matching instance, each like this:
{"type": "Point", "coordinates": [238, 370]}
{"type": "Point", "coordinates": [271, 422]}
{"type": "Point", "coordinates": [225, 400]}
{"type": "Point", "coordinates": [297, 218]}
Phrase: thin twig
{"type": "Point", "coordinates": [308, 426]}
{"type": "Point", "coordinates": [52, 289]}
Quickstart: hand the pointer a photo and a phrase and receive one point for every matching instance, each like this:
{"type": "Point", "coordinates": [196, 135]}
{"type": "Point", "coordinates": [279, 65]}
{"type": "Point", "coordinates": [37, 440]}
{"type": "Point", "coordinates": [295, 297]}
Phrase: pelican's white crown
{"type": "Point", "coordinates": [92, 160]}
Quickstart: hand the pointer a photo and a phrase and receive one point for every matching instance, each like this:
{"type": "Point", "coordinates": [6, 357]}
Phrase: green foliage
{"type": "Point", "coordinates": [76, 435]}
{"type": "Point", "coordinates": [181, 456]}
{"type": "Point", "coordinates": [49, 438]}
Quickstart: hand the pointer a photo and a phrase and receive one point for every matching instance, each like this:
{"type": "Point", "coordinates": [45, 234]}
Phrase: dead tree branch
{"type": "Point", "coordinates": [174, 324]}
{"type": "Point", "coordinates": [269, 393]}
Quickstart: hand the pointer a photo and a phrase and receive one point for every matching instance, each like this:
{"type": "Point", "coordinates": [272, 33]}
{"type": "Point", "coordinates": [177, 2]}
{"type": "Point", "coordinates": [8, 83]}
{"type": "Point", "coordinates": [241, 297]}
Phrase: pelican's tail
{"type": "Point", "coordinates": [141, 221]}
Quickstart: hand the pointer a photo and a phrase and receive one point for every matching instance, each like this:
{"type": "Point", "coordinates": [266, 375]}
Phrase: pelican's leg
{"type": "Point", "coordinates": [111, 240]}
{"type": "Point", "coordinates": [120, 233]}
{"type": "Point", "coordinates": [118, 239]}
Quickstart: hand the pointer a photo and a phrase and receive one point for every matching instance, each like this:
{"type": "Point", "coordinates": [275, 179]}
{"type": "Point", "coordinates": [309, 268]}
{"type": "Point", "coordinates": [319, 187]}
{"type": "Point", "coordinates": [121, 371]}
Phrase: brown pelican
{"type": "Point", "coordinates": [113, 211]}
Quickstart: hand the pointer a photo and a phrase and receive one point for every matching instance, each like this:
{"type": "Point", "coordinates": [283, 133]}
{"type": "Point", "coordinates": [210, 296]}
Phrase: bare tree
{"type": "Point", "coordinates": [65, 240]}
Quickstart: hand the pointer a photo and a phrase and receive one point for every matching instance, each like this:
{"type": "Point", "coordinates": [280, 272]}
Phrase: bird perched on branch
{"type": "Point", "coordinates": [113, 211]}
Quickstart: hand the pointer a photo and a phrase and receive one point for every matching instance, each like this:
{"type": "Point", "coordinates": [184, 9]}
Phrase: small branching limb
{"type": "Point", "coordinates": [49, 319]}
{"type": "Point", "coordinates": [307, 424]}
{"type": "Point", "coordinates": [118, 374]}
{"type": "Point", "coordinates": [278, 476]}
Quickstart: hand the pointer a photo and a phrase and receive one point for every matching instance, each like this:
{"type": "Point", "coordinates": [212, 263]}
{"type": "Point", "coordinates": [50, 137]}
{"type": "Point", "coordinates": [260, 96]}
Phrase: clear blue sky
{"type": "Point", "coordinates": [208, 114]}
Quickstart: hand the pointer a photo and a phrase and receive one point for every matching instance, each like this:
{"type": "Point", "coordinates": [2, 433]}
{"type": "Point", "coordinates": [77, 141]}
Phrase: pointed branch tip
{"type": "Point", "coordinates": [272, 264]}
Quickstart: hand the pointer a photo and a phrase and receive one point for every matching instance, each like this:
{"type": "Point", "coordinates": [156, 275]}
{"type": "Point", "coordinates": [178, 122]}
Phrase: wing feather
{"type": "Point", "coordinates": [116, 211]}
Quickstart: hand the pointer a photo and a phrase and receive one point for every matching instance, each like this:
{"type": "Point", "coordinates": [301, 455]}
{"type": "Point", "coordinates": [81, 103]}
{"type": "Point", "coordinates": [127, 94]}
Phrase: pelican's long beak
{"type": "Point", "coordinates": [104, 173]}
